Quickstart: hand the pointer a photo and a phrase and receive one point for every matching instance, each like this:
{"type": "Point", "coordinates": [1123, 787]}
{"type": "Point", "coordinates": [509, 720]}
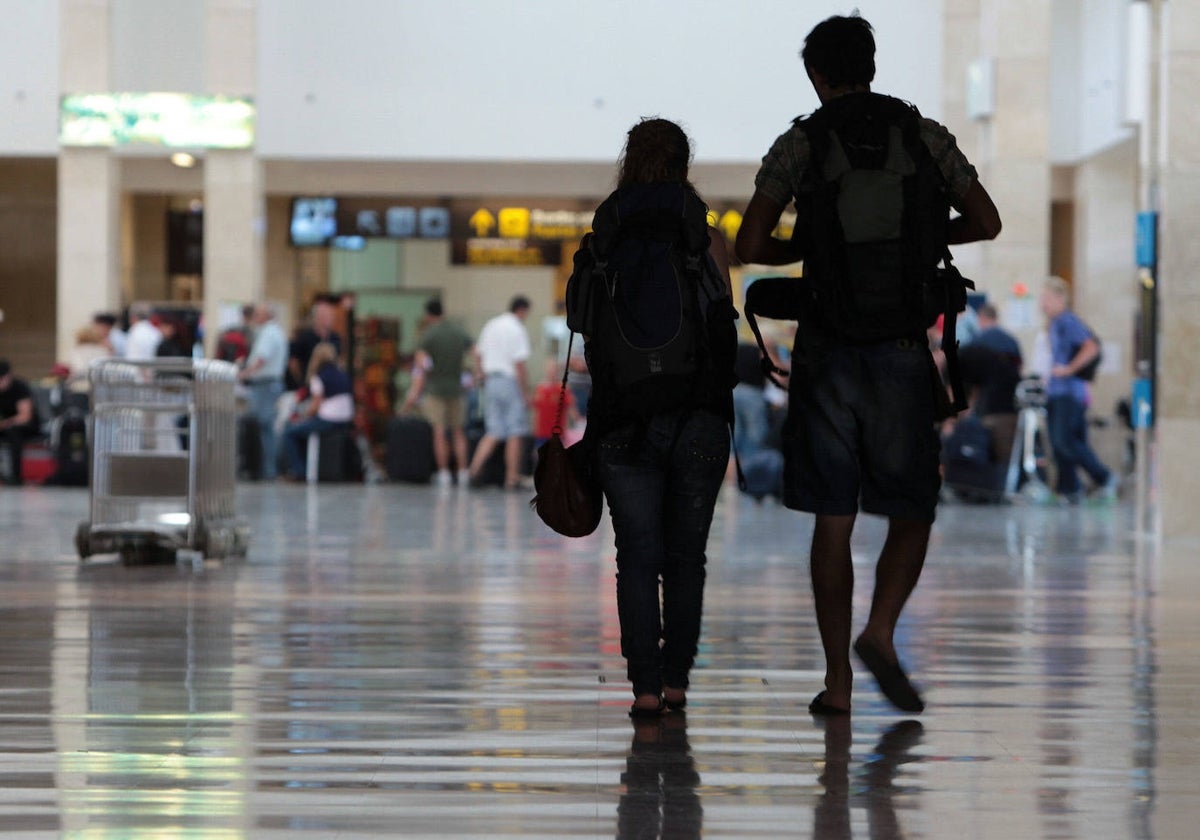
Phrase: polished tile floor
{"type": "Point", "coordinates": [401, 662]}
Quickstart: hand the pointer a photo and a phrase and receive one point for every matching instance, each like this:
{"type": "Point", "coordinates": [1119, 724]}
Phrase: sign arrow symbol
{"type": "Point", "coordinates": [482, 221]}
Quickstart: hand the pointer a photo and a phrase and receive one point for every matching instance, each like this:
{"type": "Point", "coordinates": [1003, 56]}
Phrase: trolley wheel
{"type": "Point", "coordinates": [83, 540]}
{"type": "Point", "coordinates": [217, 544]}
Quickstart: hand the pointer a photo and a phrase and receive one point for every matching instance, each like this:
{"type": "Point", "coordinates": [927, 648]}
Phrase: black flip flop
{"type": "Point", "coordinates": [893, 682]}
{"type": "Point", "coordinates": [818, 706]}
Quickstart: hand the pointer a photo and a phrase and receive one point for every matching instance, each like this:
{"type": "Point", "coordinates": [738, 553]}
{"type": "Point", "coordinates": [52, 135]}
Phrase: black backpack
{"type": "Point", "coordinates": [872, 217]}
{"type": "Point", "coordinates": [871, 223]}
{"type": "Point", "coordinates": [1088, 372]}
{"type": "Point", "coordinates": [656, 313]}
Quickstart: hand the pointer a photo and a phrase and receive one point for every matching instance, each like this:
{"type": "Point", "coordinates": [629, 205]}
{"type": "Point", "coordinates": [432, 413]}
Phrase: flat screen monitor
{"type": "Point", "coordinates": [314, 221]}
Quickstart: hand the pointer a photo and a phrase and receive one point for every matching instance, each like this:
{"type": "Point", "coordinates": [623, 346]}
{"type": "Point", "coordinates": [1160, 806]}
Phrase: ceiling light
{"type": "Point", "coordinates": [183, 160]}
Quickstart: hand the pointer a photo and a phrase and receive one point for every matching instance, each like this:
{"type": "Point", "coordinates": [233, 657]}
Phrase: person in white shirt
{"type": "Point", "coordinates": [501, 357]}
{"type": "Point", "coordinates": [263, 374]}
{"type": "Point", "coordinates": [141, 343]}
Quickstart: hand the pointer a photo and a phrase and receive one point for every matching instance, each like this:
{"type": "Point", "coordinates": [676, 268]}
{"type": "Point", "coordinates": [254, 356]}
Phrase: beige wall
{"type": "Point", "coordinates": [1105, 277]}
{"type": "Point", "coordinates": [1179, 284]}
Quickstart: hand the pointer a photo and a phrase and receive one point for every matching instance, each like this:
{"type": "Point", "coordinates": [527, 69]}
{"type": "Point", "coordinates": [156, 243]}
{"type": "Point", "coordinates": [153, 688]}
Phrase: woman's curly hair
{"type": "Point", "coordinates": [656, 151]}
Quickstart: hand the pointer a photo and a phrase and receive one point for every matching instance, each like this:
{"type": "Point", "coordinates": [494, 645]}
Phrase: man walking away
{"type": "Point", "coordinates": [501, 358]}
{"type": "Point", "coordinates": [437, 379]}
{"type": "Point", "coordinates": [867, 173]}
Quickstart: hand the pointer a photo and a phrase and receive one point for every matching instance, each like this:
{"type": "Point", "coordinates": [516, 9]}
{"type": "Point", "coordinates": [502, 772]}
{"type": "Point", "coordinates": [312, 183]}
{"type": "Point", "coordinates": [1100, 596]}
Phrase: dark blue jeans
{"type": "Point", "coordinates": [661, 481]}
{"type": "Point", "coordinates": [1069, 440]}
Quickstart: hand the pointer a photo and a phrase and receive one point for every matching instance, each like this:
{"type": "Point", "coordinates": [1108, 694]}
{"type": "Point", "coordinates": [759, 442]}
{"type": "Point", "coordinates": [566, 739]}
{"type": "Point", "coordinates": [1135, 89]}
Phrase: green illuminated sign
{"type": "Point", "coordinates": [170, 120]}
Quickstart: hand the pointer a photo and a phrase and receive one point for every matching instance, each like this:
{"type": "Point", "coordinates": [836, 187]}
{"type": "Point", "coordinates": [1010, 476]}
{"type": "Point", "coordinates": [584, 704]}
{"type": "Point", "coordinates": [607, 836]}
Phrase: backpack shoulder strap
{"type": "Point", "coordinates": [954, 287]}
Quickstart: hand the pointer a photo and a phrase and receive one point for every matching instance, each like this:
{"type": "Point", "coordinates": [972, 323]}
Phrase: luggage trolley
{"type": "Point", "coordinates": [163, 457]}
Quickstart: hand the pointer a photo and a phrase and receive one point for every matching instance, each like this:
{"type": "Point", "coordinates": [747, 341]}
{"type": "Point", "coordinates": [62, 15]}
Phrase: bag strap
{"type": "Point", "coordinates": [557, 429]}
{"type": "Point", "coordinates": [955, 284]}
{"type": "Point", "coordinates": [769, 369]}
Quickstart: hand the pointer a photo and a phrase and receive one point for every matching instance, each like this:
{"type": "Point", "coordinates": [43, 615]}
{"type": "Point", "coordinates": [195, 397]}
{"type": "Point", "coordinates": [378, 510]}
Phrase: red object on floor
{"type": "Point", "coordinates": [37, 464]}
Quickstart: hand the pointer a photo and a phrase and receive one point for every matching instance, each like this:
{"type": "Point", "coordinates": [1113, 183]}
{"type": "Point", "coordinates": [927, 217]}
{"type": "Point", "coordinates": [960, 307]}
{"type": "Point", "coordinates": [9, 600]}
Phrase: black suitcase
{"type": "Point", "coordinates": [249, 448]}
{"type": "Point", "coordinates": [970, 468]}
{"type": "Point", "coordinates": [409, 454]}
{"type": "Point", "coordinates": [68, 439]}
{"type": "Point", "coordinates": [339, 458]}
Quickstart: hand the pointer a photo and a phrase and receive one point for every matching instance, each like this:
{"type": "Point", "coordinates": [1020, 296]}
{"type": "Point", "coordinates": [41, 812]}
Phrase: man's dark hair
{"type": "Point", "coordinates": [106, 318]}
{"type": "Point", "coordinates": [5, 368]}
{"type": "Point", "coordinates": [842, 50]}
{"type": "Point", "coordinates": [518, 303]}
{"type": "Point", "coordinates": [986, 310]}
{"type": "Point", "coordinates": [433, 308]}
{"type": "Point", "coordinates": [247, 311]}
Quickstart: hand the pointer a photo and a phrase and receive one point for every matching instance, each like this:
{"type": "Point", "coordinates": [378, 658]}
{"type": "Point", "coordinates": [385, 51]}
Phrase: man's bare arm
{"type": "Point", "coordinates": [755, 244]}
{"type": "Point", "coordinates": [980, 220]}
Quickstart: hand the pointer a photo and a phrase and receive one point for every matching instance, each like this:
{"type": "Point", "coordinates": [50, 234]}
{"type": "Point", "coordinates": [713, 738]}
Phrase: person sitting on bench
{"type": "Point", "coordinates": [18, 419]}
{"type": "Point", "coordinates": [330, 406]}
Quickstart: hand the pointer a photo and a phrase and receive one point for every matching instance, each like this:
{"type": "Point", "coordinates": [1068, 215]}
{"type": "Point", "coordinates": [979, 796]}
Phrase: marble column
{"type": "Point", "coordinates": [234, 206]}
{"type": "Point", "coordinates": [1010, 148]}
{"type": "Point", "coordinates": [1017, 171]}
{"type": "Point", "coordinates": [88, 183]}
{"type": "Point", "coordinates": [1179, 283]}
{"type": "Point", "coordinates": [960, 47]}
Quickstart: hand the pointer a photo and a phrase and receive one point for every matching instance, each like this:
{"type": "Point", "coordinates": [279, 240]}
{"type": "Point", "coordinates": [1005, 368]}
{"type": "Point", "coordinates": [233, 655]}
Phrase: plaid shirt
{"type": "Point", "coordinates": [783, 166]}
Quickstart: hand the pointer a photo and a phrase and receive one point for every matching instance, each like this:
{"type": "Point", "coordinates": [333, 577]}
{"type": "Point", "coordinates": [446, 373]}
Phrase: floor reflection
{"type": "Point", "coordinates": [393, 661]}
{"type": "Point", "coordinates": [660, 781]}
{"type": "Point", "coordinates": [871, 788]}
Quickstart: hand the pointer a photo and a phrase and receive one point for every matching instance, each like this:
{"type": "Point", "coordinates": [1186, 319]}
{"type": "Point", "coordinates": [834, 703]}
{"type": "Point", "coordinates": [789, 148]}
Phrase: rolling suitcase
{"type": "Point", "coordinates": [339, 459]}
{"type": "Point", "coordinates": [970, 468]}
{"type": "Point", "coordinates": [68, 440]}
{"type": "Point", "coordinates": [409, 454]}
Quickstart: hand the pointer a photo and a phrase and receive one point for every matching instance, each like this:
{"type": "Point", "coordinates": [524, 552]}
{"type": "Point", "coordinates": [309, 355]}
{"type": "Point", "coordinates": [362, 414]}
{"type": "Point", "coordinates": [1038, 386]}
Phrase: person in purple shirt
{"type": "Point", "coordinates": [1072, 347]}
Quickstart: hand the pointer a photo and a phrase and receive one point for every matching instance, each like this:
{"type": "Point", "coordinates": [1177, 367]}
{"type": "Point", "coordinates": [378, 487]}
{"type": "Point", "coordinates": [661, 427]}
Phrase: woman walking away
{"type": "Point", "coordinates": [651, 295]}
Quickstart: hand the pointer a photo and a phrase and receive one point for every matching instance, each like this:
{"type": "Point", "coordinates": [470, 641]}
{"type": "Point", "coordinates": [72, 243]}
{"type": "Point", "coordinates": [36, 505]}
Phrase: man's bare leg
{"type": "Point", "coordinates": [459, 438]}
{"type": "Point", "coordinates": [896, 575]}
{"type": "Point", "coordinates": [832, 572]}
{"type": "Point", "coordinates": [512, 461]}
{"type": "Point", "coordinates": [441, 450]}
{"type": "Point", "coordinates": [482, 452]}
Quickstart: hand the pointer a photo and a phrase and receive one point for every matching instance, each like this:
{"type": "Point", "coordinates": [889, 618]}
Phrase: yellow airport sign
{"type": "Point", "coordinates": [482, 221]}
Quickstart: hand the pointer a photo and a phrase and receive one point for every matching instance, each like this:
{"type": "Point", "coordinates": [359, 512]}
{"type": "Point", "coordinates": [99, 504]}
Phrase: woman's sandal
{"type": "Point", "coordinates": [647, 712]}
